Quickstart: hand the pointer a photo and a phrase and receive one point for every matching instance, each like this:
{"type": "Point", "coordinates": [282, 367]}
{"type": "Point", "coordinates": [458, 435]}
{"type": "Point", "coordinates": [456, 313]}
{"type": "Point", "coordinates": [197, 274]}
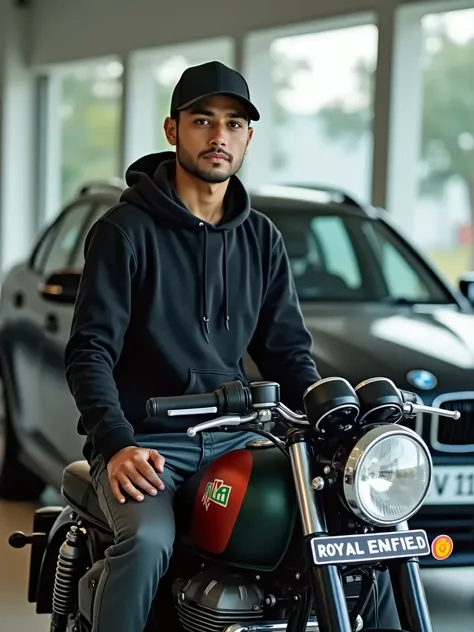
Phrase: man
{"type": "Point", "coordinates": [179, 280]}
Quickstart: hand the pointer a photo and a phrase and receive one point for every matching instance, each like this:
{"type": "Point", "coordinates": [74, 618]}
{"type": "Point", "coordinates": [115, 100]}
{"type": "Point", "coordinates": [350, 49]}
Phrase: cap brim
{"type": "Point", "coordinates": [251, 109]}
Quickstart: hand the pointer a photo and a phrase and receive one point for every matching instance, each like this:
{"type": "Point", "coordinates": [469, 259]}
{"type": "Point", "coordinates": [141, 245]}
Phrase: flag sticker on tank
{"type": "Point", "coordinates": [370, 547]}
{"type": "Point", "coordinates": [216, 492]}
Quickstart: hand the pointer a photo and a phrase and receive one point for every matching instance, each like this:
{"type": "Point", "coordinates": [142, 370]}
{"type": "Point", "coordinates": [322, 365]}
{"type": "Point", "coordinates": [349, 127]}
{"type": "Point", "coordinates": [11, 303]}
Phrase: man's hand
{"type": "Point", "coordinates": [130, 468]}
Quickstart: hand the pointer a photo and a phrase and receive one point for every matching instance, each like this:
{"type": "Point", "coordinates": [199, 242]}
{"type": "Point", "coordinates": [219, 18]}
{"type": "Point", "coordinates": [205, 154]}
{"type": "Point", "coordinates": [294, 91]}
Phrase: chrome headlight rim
{"type": "Point", "coordinates": [356, 456]}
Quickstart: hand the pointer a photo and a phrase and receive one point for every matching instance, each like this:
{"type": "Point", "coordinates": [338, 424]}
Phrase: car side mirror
{"type": "Point", "coordinates": [466, 286]}
{"type": "Point", "coordinates": [61, 286]}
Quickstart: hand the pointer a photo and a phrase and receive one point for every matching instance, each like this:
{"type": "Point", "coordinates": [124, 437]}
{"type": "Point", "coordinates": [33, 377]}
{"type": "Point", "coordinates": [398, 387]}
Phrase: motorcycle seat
{"type": "Point", "coordinates": [78, 492]}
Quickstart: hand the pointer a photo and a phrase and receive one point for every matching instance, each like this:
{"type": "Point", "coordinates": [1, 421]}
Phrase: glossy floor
{"type": "Point", "coordinates": [450, 592]}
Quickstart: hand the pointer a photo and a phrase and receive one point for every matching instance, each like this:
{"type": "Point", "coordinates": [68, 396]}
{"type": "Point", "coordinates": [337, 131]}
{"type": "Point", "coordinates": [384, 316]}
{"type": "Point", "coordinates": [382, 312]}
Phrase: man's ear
{"type": "Point", "coordinates": [249, 139]}
{"type": "Point", "coordinates": [170, 127]}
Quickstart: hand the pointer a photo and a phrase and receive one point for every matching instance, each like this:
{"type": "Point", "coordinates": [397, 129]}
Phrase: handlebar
{"type": "Point", "coordinates": [414, 409]}
{"type": "Point", "coordinates": [411, 407]}
{"type": "Point", "coordinates": [230, 398]}
{"type": "Point", "coordinates": [259, 402]}
{"type": "Point", "coordinates": [183, 405]}
{"type": "Point", "coordinates": [408, 397]}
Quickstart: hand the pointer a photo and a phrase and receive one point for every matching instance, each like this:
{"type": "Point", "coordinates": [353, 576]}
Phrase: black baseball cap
{"type": "Point", "coordinates": [211, 79]}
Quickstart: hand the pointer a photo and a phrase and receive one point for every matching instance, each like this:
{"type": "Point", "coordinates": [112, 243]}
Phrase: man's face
{"type": "Point", "coordinates": [211, 138]}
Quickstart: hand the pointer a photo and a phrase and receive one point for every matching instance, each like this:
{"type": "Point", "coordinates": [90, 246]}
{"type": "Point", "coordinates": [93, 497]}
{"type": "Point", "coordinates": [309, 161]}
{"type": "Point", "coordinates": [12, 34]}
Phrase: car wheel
{"type": "Point", "coordinates": [17, 482]}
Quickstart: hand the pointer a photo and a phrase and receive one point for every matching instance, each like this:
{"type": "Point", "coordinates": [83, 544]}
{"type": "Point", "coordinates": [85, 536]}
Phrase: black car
{"type": "Point", "coordinates": [373, 304]}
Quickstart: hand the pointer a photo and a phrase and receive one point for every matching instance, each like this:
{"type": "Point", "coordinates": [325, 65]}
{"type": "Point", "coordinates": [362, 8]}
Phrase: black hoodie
{"type": "Point", "coordinates": [168, 304]}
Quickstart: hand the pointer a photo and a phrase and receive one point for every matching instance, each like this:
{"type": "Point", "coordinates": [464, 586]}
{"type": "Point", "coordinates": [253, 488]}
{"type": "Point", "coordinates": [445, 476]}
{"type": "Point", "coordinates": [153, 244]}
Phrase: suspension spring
{"type": "Point", "coordinates": [71, 562]}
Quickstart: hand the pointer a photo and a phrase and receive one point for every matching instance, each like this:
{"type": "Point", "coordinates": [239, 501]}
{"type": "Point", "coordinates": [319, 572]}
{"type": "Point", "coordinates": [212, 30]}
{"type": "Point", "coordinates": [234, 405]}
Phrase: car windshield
{"type": "Point", "coordinates": [350, 258]}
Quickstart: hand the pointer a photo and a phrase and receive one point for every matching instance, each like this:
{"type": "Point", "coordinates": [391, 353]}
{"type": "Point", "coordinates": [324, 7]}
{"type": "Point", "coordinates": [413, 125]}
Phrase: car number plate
{"type": "Point", "coordinates": [451, 485]}
{"type": "Point", "coordinates": [370, 547]}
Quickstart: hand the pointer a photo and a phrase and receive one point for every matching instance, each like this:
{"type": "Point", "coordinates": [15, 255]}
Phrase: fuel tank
{"type": "Point", "coordinates": [241, 508]}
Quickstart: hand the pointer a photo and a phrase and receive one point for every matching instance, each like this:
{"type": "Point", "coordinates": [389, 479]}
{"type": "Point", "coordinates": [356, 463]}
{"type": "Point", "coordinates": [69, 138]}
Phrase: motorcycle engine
{"type": "Point", "coordinates": [212, 601]}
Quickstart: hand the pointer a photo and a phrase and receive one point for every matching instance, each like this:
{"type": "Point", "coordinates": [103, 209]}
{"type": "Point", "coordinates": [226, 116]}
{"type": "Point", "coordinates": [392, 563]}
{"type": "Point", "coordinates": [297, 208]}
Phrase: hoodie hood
{"type": "Point", "coordinates": [150, 187]}
{"type": "Point", "coordinates": [143, 332]}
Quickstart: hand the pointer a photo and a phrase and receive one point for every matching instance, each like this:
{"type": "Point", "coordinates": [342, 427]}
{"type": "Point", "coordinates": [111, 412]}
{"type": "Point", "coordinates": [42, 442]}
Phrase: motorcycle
{"type": "Point", "coordinates": [284, 535]}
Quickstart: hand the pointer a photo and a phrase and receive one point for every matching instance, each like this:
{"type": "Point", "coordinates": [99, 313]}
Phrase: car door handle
{"type": "Point", "coordinates": [52, 323]}
{"type": "Point", "coordinates": [18, 299]}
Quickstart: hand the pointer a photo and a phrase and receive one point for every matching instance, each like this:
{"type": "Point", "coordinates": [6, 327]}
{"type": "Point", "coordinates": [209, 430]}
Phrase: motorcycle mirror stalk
{"type": "Point", "coordinates": [333, 535]}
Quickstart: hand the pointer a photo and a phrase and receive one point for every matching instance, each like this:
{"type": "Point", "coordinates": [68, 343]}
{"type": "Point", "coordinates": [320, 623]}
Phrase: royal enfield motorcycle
{"type": "Point", "coordinates": [284, 535]}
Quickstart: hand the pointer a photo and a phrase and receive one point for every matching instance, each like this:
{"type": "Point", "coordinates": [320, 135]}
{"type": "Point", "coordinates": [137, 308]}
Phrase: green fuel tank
{"type": "Point", "coordinates": [241, 508]}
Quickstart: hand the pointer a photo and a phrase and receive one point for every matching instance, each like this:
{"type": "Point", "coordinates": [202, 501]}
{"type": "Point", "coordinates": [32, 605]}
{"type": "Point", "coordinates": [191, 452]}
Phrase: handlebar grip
{"type": "Point", "coordinates": [157, 406]}
{"type": "Point", "coordinates": [230, 398]}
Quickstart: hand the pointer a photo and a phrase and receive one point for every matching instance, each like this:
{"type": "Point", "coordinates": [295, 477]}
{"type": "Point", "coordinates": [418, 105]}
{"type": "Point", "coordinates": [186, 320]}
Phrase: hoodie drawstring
{"type": "Point", "coordinates": [225, 277]}
{"type": "Point", "coordinates": [205, 306]}
{"type": "Point", "coordinates": [205, 315]}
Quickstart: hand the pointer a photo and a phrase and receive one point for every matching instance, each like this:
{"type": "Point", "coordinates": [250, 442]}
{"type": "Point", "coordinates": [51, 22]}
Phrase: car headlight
{"type": "Point", "coordinates": [387, 475]}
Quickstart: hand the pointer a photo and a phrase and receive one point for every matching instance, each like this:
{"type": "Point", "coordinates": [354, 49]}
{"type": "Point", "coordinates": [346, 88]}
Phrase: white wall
{"type": "Point", "coordinates": [17, 136]}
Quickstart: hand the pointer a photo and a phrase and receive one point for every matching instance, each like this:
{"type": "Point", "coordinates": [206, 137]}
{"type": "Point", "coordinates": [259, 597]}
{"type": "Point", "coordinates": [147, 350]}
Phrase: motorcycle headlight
{"type": "Point", "coordinates": [387, 475]}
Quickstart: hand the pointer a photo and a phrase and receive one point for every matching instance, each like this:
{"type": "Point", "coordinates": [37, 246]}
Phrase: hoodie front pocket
{"type": "Point", "coordinates": [206, 381]}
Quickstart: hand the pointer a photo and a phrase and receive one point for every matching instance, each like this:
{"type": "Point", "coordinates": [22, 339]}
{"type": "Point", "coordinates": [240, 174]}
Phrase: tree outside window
{"type": "Point", "coordinates": [89, 111]}
{"type": "Point", "coordinates": [446, 183]}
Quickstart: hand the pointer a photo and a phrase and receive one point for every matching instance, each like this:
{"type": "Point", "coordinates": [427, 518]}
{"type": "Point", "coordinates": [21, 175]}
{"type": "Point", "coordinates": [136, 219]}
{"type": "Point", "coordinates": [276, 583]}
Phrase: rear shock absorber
{"type": "Point", "coordinates": [72, 561]}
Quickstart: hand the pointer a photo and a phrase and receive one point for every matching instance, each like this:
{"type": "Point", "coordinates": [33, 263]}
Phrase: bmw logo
{"type": "Point", "coordinates": [422, 379]}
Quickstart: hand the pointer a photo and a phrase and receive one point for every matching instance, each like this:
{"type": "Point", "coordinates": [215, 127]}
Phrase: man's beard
{"type": "Point", "coordinates": [210, 175]}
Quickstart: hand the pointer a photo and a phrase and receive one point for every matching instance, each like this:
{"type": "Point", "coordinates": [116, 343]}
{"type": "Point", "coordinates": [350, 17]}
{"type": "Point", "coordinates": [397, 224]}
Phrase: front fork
{"type": "Point", "coordinates": [326, 582]}
{"type": "Point", "coordinates": [409, 593]}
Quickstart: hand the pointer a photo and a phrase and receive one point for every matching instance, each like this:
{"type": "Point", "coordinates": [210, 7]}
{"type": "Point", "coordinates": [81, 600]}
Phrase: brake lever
{"type": "Point", "coordinates": [289, 415]}
{"type": "Point", "coordinates": [226, 420]}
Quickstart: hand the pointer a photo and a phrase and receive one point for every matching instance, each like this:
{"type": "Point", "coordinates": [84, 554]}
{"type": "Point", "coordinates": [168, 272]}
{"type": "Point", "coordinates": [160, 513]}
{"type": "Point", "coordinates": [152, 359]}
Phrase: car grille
{"type": "Point", "coordinates": [409, 423]}
{"type": "Point", "coordinates": [414, 423]}
{"type": "Point", "coordinates": [449, 435]}
{"type": "Point", "coordinates": [456, 522]}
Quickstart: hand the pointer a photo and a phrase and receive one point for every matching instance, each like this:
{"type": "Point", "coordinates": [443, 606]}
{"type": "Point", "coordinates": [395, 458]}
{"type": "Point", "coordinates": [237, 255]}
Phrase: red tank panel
{"type": "Point", "coordinates": [219, 500]}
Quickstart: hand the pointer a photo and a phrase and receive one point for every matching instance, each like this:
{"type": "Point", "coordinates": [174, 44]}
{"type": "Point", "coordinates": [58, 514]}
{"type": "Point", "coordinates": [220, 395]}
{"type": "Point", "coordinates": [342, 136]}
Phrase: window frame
{"type": "Point", "coordinates": [35, 264]}
{"type": "Point", "coordinates": [52, 231]}
{"type": "Point", "coordinates": [92, 218]}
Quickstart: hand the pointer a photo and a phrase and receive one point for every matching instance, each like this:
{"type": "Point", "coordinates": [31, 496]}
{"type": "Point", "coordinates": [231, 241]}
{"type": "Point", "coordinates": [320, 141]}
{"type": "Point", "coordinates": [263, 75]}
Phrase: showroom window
{"type": "Point", "coordinates": [322, 110]}
{"type": "Point", "coordinates": [89, 112]}
{"type": "Point", "coordinates": [445, 204]}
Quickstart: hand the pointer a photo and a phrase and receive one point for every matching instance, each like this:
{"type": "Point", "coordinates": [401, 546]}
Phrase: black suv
{"type": "Point", "coordinates": [373, 304]}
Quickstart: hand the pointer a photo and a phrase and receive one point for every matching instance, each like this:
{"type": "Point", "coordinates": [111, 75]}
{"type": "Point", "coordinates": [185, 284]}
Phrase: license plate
{"type": "Point", "coordinates": [370, 547]}
{"type": "Point", "coordinates": [451, 486]}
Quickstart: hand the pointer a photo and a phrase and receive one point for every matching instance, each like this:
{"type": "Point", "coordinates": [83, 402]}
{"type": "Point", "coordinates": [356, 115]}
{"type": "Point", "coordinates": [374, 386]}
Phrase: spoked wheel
{"type": "Point", "coordinates": [17, 482]}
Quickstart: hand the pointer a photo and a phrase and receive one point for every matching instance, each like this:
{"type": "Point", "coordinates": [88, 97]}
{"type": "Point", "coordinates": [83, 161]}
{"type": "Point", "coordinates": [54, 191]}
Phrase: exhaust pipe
{"type": "Point", "coordinates": [280, 626]}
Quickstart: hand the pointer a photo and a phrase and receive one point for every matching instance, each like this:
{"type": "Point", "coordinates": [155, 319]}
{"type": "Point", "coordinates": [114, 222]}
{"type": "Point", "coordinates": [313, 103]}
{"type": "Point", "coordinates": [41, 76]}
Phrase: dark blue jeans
{"type": "Point", "coordinates": [144, 534]}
